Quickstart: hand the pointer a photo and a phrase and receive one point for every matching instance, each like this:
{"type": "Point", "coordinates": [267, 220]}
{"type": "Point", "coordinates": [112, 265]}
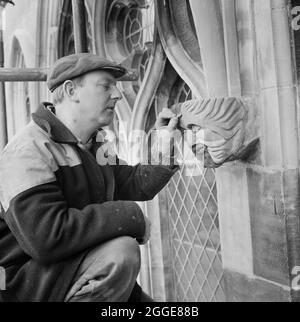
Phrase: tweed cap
{"type": "Point", "coordinates": [76, 65]}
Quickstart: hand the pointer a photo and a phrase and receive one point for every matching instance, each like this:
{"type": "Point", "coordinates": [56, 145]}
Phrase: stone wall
{"type": "Point", "coordinates": [259, 199]}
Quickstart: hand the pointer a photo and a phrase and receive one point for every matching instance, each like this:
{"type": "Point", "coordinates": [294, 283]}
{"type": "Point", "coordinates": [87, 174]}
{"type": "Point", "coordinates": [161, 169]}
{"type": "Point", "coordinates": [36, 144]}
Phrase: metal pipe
{"type": "Point", "coordinates": [40, 75]}
{"type": "Point", "coordinates": [23, 74]}
{"type": "Point", "coordinates": [3, 116]}
{"type": "Point", "coordinates": [79, 25]}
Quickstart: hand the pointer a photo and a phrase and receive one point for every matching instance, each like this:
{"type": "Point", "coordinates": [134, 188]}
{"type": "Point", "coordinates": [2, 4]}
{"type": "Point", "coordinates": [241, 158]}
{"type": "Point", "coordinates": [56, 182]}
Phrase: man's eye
{"type": "Point", "coordinates": [105, 87]}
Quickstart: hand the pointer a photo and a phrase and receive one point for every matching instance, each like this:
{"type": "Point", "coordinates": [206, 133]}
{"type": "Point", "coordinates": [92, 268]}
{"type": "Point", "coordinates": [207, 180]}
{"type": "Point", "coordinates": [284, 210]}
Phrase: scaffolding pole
{"type": "Point", "coordinates": [40, 75]}
{"type": "Point", "coordinates": [3, 117]}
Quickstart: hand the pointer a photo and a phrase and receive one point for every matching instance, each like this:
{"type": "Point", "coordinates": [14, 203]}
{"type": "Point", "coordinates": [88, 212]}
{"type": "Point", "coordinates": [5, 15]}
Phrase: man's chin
{"type": "Point", "coordinates": [107, 121]}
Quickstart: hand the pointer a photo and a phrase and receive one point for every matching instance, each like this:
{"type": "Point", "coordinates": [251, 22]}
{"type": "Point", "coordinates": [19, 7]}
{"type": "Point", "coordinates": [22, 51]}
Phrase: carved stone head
{"type": "Point", "coordinates": [219, 125]}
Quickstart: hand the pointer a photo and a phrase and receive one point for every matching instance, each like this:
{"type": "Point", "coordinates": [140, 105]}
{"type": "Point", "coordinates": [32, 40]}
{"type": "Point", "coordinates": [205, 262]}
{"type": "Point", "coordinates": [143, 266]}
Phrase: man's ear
{"type": "Point", "coordinates": [71, 91]}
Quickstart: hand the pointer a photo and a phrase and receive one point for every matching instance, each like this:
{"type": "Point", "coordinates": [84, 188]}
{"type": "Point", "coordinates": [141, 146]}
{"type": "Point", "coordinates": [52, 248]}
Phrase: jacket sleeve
{"type": "Point", "coordinates": [39, 217]}
{"type": "Point", "coordinates": [141, 182]}
{"type": "Point", "coordinates": [138, 183]}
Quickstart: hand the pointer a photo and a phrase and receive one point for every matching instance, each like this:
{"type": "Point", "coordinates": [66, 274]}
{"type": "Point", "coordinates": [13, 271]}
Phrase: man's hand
{"type": "Point", "coordinates": [147, 232]}
{"type": "Point", "coordinates": [166, 125]}
{"type": "Point", "coordinates": [167, 120]}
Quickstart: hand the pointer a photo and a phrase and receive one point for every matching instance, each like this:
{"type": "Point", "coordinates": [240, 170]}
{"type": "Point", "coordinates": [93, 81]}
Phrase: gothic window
{"type": "Point", "coordinates": [192, 205]}
{"type": "Point", "coordinates": [125, 32]}
{"type": "Point", "coordinates": [66, 45]}
{"type": "Point", "coordinates": [129, 27]}
{"type": "Point", "coordinates": [184, 28]}
{"type": "Point", "coordinates": [130, 30]}
{"type": "Point", "coordinates": [152, 115]}
{"type": "Point", "coordinates": [180, 92]}
{"type": "Point", "coordinates": [194, 227]}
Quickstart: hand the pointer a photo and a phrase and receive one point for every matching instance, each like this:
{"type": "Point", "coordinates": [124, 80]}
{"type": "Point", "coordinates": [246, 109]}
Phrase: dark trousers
{"type": "Point", "coordinates": [108, 273]}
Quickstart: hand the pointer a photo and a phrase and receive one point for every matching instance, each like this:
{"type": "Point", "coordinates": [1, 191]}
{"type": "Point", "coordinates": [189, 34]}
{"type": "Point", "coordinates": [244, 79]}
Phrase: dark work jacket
{"type": "Point", "coordinates": [57, 203]}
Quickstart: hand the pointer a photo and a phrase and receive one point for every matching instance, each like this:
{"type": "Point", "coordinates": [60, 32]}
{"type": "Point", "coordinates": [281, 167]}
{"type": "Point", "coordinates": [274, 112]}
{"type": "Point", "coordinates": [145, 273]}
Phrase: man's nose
{"type": "Point", "coordinates": [116, 94]}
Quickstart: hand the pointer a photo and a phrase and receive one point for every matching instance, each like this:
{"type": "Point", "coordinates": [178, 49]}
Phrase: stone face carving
{"type": "Point", "coordinates": [220, 127]}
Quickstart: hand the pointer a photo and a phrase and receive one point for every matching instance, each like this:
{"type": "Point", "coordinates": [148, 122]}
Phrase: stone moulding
{"type": "Point", "coordinates": [222, 128]}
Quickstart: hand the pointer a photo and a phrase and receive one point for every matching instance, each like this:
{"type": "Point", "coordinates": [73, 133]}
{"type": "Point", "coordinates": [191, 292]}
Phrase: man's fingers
{"type": "Point", "coordinates": [167, 118]}
{"type": "Point", "coordinates": [172, 126]}
{"type": "Point", "coordinates": [164, 116]}
{"type": "Point", "coordinates": [166, 113]}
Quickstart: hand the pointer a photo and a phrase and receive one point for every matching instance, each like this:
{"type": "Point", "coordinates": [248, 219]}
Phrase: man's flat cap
{"type": "Point", "coordinates": [76, 65]}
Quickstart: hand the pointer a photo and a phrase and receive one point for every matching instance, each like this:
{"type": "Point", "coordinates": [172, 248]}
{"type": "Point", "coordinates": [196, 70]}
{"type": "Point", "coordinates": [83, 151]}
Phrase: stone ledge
{"type": "Point", "coordinates": [241, 288]}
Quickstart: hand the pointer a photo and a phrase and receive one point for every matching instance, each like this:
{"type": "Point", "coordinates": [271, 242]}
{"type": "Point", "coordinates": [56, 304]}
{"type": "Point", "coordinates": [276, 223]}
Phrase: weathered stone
{"type": "Point", "coordinates": [234, 219]}
{"type": "Point", "coordinates": [268, 225]}
{"type": "Point", "coordinates": [241, 288]}
{"type": "Point", "coordinates": [292, 215]}
{"type": "Point", "coordinates": [220, 125]}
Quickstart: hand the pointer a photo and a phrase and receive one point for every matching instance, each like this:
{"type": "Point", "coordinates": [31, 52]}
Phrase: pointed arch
{"type": "Point", "coordinates": [20, 95]}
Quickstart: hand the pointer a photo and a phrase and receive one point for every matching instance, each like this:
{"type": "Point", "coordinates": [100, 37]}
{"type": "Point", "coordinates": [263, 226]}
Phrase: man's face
{"type": "Point", "coordinates": [98, 97]}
